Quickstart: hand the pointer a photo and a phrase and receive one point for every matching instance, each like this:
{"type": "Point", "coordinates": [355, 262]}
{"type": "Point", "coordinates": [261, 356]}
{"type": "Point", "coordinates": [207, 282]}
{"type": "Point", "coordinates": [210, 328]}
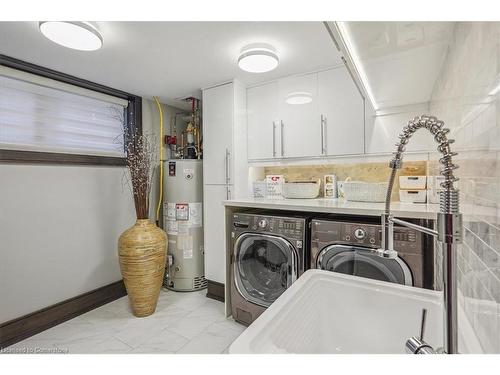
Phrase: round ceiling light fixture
{"type": "Point", "coordinates": [258, 58]}
{"type": "Point", "coordinates": [80, 35]}
{"type": "Point", "coordinates": [299, 97]}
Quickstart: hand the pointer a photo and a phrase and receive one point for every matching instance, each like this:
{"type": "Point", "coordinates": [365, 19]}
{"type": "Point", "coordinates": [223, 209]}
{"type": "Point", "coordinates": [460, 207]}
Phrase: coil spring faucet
{"type": "Point", "coordinates": [449, 219]}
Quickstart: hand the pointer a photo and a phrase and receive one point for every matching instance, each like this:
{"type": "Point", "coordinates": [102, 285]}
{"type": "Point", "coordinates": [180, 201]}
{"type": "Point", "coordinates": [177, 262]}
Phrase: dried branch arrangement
{"type": "Point", "coordinates": [141, 155]}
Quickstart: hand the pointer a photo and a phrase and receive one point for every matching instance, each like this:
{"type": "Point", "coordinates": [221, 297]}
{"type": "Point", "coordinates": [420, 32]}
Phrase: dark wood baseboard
{"type": "Point", "coordinates": [215, 290]}
{"type": "Point", "coordinates": [21, 328]}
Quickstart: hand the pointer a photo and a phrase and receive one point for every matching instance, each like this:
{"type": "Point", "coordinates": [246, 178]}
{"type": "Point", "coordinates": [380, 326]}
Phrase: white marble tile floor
{"type": "Point", "coordinates": [182, 323]}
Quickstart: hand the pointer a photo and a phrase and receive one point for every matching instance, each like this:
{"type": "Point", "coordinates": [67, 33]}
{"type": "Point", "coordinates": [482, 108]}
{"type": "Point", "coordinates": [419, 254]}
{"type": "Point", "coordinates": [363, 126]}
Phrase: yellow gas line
{"type": "Point", "coordinates": [160, 196]}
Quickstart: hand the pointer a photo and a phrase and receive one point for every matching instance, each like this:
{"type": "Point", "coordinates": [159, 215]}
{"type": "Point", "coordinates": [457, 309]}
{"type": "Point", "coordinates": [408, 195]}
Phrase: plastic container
{"type": "Point", "coordinates": [433, 196]}
{"type": "Point", "coordinates": [434, 182]}
{"type": "Point", "coordinates": [301, 189]}
{"type": "Point", "coordinates": [360, 191]}
{"type": "Point", "coordinates": [274, 186]}
{"type": "Point", "coordinates": [413, 196]}
{"type": "Point", "coordinates": [413, 182]}
{"type": "Point", "coordinates": [434, 187]}
{"type": "Point", "coordinates": [260, 189]}
{"type": "Point", "coordinates": [330, 189]}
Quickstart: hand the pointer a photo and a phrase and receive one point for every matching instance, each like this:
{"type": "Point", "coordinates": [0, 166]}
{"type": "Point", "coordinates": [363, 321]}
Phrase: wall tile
{"type": "Point", "coordinates": [465, 98]}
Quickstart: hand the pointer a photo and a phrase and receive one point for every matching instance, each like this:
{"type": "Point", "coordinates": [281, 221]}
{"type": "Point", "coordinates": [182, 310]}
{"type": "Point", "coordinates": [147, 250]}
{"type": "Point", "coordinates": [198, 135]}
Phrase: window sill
{"type": "Point", "coordinates": [35, 157]}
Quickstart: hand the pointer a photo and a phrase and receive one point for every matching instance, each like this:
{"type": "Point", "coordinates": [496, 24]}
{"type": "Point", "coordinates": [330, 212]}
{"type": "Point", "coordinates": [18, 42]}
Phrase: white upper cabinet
{"type": "Point", "coordinates": [262, 116]}
{"type": "Point", "coordinates": [341, 109]}
{"type": "Point", "coordinates": [312, 115]}
{"type": "Point", "coordinates": [299, 120]}
{"type": "Point", "coordinates": [218, 134]}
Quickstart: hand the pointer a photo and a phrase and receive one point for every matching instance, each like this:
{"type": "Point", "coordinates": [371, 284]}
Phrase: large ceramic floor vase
{"type": "Point", "coordinates": [142, 250]}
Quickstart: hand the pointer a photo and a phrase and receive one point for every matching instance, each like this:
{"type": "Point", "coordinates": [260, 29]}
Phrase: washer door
{"type": "Point", "coordinates": [359, 261]}
{"type": "Point", "coordinates": [264, 267]}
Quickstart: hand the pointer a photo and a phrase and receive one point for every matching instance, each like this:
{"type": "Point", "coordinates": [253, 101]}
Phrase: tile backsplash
{"type": "Point", "coordinates": [466, 97]}
{"type": "Point", "coordinates": [365, 171]}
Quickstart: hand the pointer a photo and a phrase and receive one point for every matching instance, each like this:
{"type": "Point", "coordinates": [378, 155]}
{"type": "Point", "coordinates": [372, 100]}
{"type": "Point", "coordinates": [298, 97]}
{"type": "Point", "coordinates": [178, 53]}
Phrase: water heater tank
{"type": "Point", "coordinates": [183, 222]}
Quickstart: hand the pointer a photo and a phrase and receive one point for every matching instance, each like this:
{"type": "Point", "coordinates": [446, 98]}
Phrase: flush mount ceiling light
{"type": "Point", "coordinates": [80, 35]}
{"type": "Point", "coordinates": [299, 97]}
{"type": "Point", "coordinates": [258, 58]}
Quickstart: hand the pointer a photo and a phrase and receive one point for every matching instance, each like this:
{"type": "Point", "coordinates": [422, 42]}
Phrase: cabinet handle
{"type": "Point", "coordinates": [274, 139]}
{"type": "Point", "coordinates": [227, 166]}
{"type": "Point", "coordinates": [228, 193]}
{"type": "Point", "coordinates": [323, 137]}
{"type": "Point", "coordinates": [282, 138]}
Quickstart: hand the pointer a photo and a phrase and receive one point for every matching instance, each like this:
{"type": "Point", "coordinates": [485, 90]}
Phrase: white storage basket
{"type": "Point", "coordinates": [301, 189]}
{"type": "Point", "coordinates": [412, 196]}
{"type": "Point", "coordinates": [360, 191]}
{"type": "Point", "coordinates": [412, 182]}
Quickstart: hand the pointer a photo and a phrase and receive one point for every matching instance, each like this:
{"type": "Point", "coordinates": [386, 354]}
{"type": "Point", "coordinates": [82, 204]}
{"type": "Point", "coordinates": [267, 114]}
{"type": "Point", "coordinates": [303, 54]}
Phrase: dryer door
{"type": "Point", "coordinates": [264, 267]}
{"type": "Point", "coordinates": [360, 261]}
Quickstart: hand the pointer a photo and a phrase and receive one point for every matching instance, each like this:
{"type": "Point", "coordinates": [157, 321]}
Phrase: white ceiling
{"type": "Point", "coordinates": [174, 59]}
{"type": "Point", "coordinates": [402, 60]}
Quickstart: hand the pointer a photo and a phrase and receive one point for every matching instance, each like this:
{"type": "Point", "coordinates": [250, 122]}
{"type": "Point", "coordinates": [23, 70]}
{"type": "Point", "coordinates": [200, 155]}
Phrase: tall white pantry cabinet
{"type": "Point", "coordinates": [225, 172]}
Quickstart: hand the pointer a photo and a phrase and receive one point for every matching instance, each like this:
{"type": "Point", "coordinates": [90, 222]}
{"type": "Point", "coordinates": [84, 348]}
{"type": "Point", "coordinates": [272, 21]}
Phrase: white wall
{"type": "Point", "coordinates": [59, 227]}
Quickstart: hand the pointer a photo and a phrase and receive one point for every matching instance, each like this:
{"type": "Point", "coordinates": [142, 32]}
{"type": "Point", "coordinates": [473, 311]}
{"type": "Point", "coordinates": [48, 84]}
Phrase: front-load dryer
{"type": "Point", "coordinates": [348, 247]}
{"type": "Point", "coordinates": [268, 255]}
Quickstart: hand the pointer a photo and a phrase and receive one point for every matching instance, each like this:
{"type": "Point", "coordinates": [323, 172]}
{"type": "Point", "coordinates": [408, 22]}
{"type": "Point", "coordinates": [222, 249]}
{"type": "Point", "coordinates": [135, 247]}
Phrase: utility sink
{"type": "Point", "coordinates": [326, 312]}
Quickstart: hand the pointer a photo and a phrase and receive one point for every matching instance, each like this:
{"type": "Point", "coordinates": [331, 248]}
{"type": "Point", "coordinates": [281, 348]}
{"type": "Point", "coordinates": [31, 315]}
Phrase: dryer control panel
{"type": "Point", "coordinates": [370, 235]}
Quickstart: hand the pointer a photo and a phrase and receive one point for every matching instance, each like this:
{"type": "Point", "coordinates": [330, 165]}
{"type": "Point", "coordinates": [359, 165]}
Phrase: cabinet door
{"type": "Point", "coordinates": [300, 125]}
{"type": "Point", "coordinates": [217, 134]}
{"type": "Point", "coordinates": [214, 232]}
{"type": "Point", "coordinates": [341, 108]}
{"type": "Point", "coordinates": [262, 116]}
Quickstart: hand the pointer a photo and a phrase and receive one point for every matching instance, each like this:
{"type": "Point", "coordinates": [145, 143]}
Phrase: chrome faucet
{"type": "Point", "coordinates": [449, 220]}
{"type": "Point", "coordinates": [417, 345]}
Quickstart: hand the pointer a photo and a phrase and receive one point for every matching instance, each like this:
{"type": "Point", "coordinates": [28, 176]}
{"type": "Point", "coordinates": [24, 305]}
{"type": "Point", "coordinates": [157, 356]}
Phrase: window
{"type": "Point", "coordinates": [48, 119]}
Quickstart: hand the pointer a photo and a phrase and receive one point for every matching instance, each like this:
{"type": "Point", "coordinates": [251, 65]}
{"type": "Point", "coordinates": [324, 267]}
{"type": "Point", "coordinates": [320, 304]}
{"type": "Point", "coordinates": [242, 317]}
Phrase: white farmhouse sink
{"type": "Point", "coordinates": [326, 312]}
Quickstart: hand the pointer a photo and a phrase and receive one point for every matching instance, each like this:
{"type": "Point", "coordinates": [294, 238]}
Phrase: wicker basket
{"type": "Point", "coordinates": [301, 189]}
{"type": "Point", "coordinates": [360, 191]}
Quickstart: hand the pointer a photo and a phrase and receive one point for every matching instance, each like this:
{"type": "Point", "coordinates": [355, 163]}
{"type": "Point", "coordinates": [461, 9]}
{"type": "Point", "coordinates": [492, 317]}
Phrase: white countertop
{"type": "Point", "coordinates": [339, 206]}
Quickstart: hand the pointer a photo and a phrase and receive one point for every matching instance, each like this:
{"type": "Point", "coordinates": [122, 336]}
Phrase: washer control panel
{"type": "Point", "coordinates": [285, 226]}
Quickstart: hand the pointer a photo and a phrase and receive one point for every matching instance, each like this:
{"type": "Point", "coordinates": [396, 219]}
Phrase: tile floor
{"type": "Point", "coordinates": [182, 323]}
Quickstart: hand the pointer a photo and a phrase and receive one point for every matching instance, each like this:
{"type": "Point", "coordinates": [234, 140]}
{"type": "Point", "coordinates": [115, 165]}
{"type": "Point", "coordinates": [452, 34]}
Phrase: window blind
{"type": "Point", "coordinates": [40, 114]}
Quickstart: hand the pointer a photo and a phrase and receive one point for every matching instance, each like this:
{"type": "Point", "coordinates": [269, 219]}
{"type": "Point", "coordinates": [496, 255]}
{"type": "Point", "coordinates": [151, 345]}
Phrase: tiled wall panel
{"type": "Point", "coordinates": [466, 97]}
